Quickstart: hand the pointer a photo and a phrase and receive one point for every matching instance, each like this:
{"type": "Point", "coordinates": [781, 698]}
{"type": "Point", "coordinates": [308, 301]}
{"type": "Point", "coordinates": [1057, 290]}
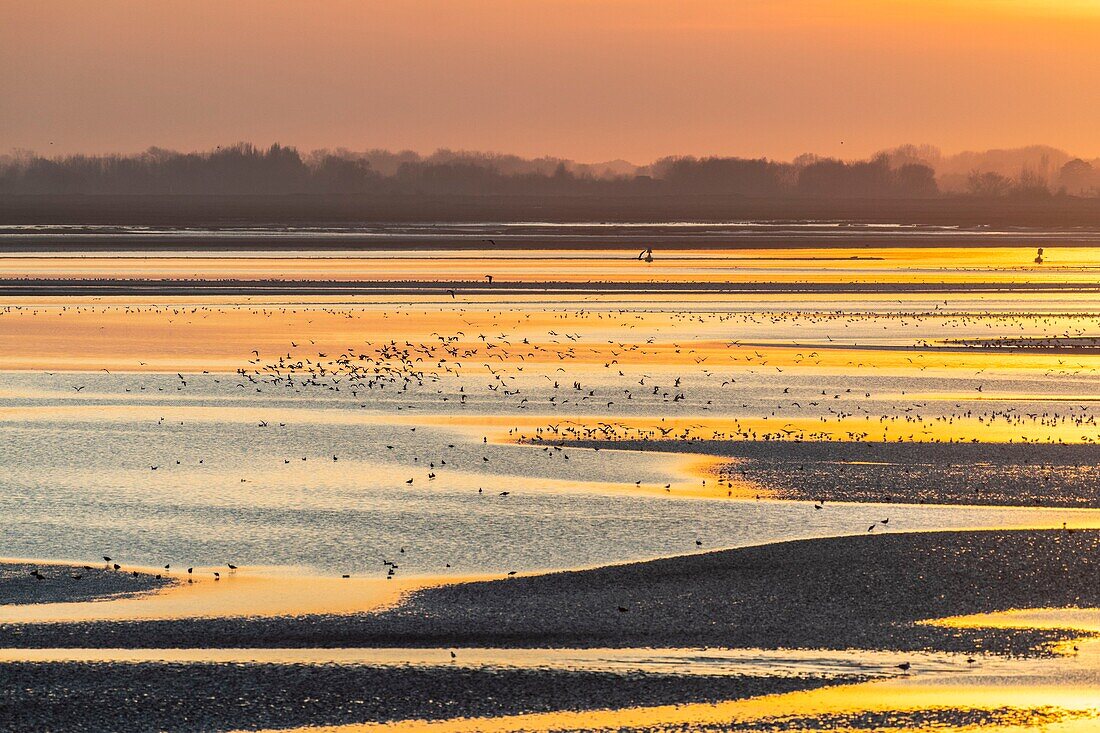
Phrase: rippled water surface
{"type": "Point", "coordinates": [332, 433]}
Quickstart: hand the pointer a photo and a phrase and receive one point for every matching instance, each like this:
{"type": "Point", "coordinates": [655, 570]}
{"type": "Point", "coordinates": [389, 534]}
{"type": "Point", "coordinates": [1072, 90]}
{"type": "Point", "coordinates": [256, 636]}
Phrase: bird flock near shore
{"type": "Point", "coordinates": [110, 565]}
{"type": "Point", "coordinates": [606, 376]}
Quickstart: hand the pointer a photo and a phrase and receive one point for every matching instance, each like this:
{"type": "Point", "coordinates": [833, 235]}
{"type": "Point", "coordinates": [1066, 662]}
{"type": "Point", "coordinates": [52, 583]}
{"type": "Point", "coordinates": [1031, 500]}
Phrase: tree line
{"type": "Point", "coordinates": [251, 170]}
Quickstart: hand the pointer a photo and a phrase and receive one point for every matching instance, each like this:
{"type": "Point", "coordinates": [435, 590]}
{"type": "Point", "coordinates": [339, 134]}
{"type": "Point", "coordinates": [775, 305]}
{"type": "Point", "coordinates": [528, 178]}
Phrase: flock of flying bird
{"type": "Point", "coordinates": [593, 378]}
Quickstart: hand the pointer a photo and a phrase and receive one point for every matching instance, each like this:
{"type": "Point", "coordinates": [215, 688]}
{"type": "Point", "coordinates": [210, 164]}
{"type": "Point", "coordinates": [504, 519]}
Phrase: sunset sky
{"type": "Point", "coordinates": [586, 79]}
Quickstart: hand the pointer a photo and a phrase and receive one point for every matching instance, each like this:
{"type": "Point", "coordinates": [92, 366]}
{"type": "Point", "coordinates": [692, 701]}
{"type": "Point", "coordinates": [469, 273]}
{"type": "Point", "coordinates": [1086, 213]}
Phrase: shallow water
{"type": "Point", "coordinates": [884, 265]}
{"type": "Point", "coordinates": [307, 437]}
{"type": "Point", "coordinates": [203, 476]}
{"type": "Point", "coordinates": [105, 449]}
{"type": "Point", "coordinates": [826, 664]}
{"type": "Point", "coordinates": [937, 693]}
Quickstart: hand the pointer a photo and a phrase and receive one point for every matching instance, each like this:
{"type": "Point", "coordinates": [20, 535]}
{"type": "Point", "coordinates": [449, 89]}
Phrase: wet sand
{"type": "Point", "coordinates": [1006, 695]}
{"type": "Point", "coordinates": [253, 593]}
{"type": "Point", "coordinates": [867, 595]}
{"type": "Point", "coordinates": [62, 583]}
{"type": "Point", "coordinates": [865, 592]}
{"type": "Point", "coordinates": [207, 697]}
{"type": "Point", "coordinates": [870, 592]}
{"type": "Point", "coordinates": [971, 474]}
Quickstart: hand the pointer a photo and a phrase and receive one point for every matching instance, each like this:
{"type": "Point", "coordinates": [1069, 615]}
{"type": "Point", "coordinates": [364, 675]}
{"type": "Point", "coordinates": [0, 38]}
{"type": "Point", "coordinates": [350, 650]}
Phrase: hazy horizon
{"type": "Point", "coordinates": [595, 81]}
{"type": "Point", "coordinates": [930, 153]}
{"type": "Point", "coordinates": [905, 170]}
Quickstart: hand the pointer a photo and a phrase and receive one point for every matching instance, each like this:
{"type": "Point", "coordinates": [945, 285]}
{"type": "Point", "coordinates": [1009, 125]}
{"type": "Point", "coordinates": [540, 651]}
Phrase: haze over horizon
{"type": "Point", "coordinates": [592, 81]}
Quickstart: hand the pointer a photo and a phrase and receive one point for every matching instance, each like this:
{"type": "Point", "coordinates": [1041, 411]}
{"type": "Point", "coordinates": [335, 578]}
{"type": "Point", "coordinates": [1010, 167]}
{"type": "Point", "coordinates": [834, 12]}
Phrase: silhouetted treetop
{"type": "Point", "coordinates": [905, 172]}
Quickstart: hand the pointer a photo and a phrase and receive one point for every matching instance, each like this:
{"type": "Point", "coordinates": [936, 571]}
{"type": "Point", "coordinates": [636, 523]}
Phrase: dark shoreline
{"type": "Point", "coordinates": [229, 210]}
{"type": "Point", "coordinates": [59, 583]}
{"type": "Point", "coordinates": [138, 243]}
{"type": "Point", "coordinates": [215, 697]}
{"type": "Point", "coordinates": [964, 474]}
{"type": "Point", "coordinates": [862, 592]}
{"type": "Point", "coordinates": [857, 592]}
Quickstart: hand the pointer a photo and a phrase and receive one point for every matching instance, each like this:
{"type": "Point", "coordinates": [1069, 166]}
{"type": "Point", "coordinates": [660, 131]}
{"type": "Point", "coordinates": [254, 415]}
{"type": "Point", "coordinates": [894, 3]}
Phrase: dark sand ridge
{"type": "Point", "coordinates": [208, 697]}
{"type": "Point", "coordinates": [985, 474]}
{"type": "Point", "coordinates": [63, 287]}
{"type": "Point", "coordinates": [1060, 345]}
{"type": "Point", "coordinates": [59, 583]}
{"type": "Point", "coordinates": [832, 593]}
{"type": "Point", "coordinates": [848, 592]}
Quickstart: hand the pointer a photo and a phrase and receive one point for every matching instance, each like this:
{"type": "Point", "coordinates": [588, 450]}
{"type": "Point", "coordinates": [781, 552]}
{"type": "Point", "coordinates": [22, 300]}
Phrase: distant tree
{"type": "Point", "coordinates": [805, 159]}
{"type": "Point", "coordinates": [244, 168]}
{"type": "Point", "coordinates": [332, 174]}
{"type": "Point", "coordinates": [988, 184]}
{"type": "Point", "coordinates": [921, 154]}
{"type": "Point", "coordinates": [1031, 185]}
{"type": "Point", "coordinates": [824, 178]}
{"type": "Point", "coordinates": [737, 176]}
{"type": "Point", "coordinates": [915, 180]}
{"type": "Point", "coordinates": [1079, 178]}
{"type": "Point", "coordinates": [831, 178]}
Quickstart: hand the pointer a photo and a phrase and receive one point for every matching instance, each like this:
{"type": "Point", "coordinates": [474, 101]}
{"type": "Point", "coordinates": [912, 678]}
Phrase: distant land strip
{"type": "Point", "coordinates": [83, 241]}
{"type": "Point", "coordinates": [1056, 212]}
{"type": "Point", "coordinates": [79, 287]}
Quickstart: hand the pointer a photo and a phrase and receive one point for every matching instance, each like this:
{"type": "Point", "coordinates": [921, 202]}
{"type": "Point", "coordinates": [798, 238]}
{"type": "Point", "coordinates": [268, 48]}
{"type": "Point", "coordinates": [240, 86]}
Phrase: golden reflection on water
{"type": "Point", "coordinates": [783, 663]}
{"type": "Point", "coordinates": [796, 335]}
{"type": "Point", "coordinates": [887, 265]}
{"type": "Point", "coordinates": [1078, 619]}
{"type": "Point", "coordinates": [1062, 692]}
{"type": "Point", "coordinates": [846, 428]}
{"type": "Point", "coordinates": [1065, 692]}
{"type": "Point", "coordinates": [251, 592]}
{"type": "Point", "coordinates": [146, 336]}
{"type": "Point", "coordinates": [827, 703]}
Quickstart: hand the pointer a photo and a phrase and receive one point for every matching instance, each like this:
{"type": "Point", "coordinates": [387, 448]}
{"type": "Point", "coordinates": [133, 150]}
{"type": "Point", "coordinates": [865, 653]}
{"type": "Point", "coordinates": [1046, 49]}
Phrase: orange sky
{"type": "Point", "coordinates": [587, 79]}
